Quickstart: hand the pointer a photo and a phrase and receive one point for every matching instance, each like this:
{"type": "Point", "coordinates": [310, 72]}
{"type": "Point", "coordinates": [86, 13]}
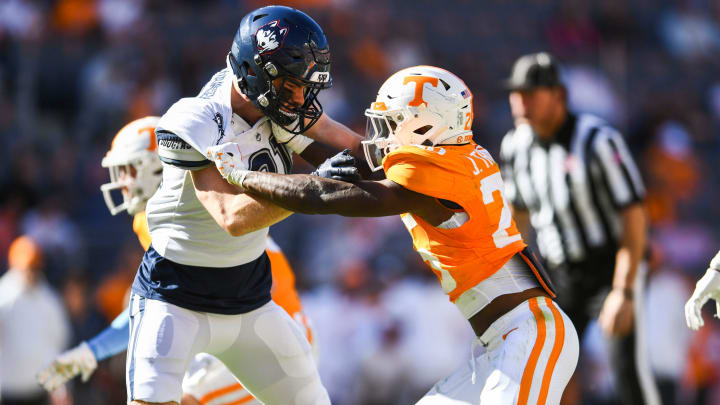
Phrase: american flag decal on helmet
{"type": "Point", "coordinates": [465, 93]}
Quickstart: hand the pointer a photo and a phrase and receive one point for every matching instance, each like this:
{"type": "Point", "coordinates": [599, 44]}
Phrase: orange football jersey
{"type": "Point", "coordinates": [140, 227]}
{"type": "Point", "coordinates": [467, 175]}
{"type": "Point", "coordinates": [283, 288]}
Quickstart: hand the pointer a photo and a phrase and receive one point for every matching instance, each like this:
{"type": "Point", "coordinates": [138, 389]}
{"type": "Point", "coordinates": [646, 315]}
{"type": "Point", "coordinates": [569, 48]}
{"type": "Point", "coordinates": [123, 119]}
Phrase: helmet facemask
{"type": "Point", "coordinates": [136, 178]}
{"type": "Point", "coordinates": [379, 138]}
{"type": "Point", "coordinates": [387, 130]}
{"type": "Point", "coordinates": [286, 113]}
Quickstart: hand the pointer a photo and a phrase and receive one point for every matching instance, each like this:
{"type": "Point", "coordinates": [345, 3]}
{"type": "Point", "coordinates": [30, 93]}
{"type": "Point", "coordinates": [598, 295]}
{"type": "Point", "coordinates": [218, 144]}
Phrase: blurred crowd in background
{"type": "Point", "coordinates": [73, 72]}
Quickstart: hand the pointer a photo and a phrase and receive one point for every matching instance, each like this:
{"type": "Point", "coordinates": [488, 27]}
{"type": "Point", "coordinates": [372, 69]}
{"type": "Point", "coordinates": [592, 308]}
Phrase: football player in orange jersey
{"type": "Point", "coordinates": [448, 192]}
{"type": "Point", "coordinates": [136, 172]}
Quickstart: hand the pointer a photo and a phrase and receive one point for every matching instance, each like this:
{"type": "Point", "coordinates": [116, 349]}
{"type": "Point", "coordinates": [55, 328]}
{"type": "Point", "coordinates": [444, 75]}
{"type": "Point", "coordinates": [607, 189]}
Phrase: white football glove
{"type": "Point", "coordinates": [228, 160]}
{"type": "Point", "coordinates": [79, 360]}
{"type": "Point", "coordinates": [708, 287]}
{"type": "Point", "coordinates": [296, 143]}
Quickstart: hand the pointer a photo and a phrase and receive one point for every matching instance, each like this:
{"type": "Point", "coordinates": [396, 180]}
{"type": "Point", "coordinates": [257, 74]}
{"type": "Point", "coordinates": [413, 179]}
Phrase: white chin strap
{"type": "Point", "coordinates": [456, 139]}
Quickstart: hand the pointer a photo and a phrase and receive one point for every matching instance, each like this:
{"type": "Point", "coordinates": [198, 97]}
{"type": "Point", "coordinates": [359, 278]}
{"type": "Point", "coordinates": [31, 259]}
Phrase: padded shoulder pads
{"type": "Point", "coordinates": [176, 152]}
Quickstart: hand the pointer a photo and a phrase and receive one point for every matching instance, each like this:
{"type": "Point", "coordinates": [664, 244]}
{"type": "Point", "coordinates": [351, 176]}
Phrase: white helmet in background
{"type": "Point", "coordinates": [421, 105]}
{"type": "Point", "coordinates": [134, 165]}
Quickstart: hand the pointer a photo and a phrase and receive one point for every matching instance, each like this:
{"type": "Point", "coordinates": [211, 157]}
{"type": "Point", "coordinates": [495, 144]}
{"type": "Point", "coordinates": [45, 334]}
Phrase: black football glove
{"type": "Point", "coordinates": [339, 167]}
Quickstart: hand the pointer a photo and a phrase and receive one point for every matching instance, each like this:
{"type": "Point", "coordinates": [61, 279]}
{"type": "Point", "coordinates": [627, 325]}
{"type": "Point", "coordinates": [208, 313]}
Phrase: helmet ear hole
{"type": "Point", "coordinates": [259, 16]}
{"type": "Point", "coordinates": [423, 130]}
{"type": "Point", "coordinates": [392, 123]}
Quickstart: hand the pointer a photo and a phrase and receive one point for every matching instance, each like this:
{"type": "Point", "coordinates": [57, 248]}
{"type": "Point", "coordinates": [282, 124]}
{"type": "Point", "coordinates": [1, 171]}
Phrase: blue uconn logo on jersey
{"type": "Point", "coordinates": [270, 37]}
{"type": "Point", "coordinates": [221, 127]}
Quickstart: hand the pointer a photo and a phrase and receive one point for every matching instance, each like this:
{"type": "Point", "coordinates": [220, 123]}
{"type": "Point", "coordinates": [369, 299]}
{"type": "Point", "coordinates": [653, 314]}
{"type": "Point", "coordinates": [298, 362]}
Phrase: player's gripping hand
{"type": "Point", "coordinates": [79, 360]}
{"type": "Point", "coordinates": [339, 167]}
{"type": "Point", "coordinates": [708, 287]}
{"type": "Point", "coordinates": [228, 160]}
{"type": "Point", "coordinates": [226, 157]}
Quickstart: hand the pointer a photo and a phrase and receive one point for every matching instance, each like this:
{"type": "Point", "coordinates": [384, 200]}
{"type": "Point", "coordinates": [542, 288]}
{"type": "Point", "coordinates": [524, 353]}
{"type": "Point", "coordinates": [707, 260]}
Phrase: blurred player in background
{"type": "Point", "coordinates": [708, 287]}
{"type": "Point", "coordinates": [34, 326]}
{"type": "Point", "coordinates": [448, 191]}
{"type": "Point", "coordinates": [135, 172]}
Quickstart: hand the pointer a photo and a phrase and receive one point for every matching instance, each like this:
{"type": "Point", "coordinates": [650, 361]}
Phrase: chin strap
{"type": "Point", "coordinates": [456, 139]}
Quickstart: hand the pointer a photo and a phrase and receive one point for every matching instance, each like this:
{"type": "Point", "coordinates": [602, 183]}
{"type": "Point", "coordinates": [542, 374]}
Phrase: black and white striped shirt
{"type": "Point", "coordinates": [574, 187]}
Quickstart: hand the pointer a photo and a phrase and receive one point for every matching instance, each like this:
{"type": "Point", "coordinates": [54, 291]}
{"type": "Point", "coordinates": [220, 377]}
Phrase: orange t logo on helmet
{"type": "Point", "coordinates": [419, 83]}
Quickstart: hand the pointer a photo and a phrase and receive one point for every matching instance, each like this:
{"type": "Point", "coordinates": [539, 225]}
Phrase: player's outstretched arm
{"type": "Point", "coordinates": [317, 153]}
{"type": "Point", "coordinates": [309, 194]}
{"type": "Point", "coordinates": [113, 339]}
{"type": "Point", "coordinates": [236, 212]}
{"type": "Point", "coordinates": [708, 287]}
{"type": "Point", "coordinates": [313, 194]}
{"type": "Point", "coordinates": [82, 359]}
{"type": "Point", "coordinates": [332, 137]}
{"type": "Point", "coordinates": [335, 134]}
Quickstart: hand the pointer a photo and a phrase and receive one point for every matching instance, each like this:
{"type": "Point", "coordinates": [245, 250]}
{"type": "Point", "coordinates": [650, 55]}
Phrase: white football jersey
{"type": "Point", "coordinates": [181, 228]}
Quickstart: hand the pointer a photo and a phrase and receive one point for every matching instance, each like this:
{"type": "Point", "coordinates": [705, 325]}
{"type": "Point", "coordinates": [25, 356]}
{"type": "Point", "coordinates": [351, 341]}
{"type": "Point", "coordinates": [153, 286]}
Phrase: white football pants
{"type": "Point", "coordinates": [265, 349]}
{"type": "Point", "coordinates": [211, 383]}
{"type": "Point", "coordinates": [531, 353]}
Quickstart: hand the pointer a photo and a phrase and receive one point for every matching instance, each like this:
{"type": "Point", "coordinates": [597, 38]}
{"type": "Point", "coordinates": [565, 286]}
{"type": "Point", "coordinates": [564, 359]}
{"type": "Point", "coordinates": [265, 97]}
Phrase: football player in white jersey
{"type": "Point", "coordinates": [135, 172]}
{"type": "Point", "coordinates": [204, 283]}
{"type": "Point", "coordinates": [708, 287]}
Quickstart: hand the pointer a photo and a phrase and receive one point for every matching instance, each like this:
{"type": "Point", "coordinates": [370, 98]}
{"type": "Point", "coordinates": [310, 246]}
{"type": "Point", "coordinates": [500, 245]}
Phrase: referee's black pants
{"type": "Point", "coordinates": [581, 293]}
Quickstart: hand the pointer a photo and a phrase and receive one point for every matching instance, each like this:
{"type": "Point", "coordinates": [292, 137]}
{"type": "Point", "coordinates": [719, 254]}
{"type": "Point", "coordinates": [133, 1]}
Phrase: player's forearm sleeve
{"type": "Point", "coordinates": [715, 262]}
{"type": "Point", "coordinates": [113, 339]}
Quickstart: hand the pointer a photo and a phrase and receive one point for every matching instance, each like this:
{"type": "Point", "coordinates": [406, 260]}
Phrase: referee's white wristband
{"type": "Point", "coordinates": [298, 143]}
{"type": "Point", "coordinates": [715, 262]}
{"type": "Point", "coordinates": [237, 176]}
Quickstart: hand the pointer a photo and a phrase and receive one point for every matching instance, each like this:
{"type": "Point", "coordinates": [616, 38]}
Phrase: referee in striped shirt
{"type": "Point", "coordinates": [571, 177]}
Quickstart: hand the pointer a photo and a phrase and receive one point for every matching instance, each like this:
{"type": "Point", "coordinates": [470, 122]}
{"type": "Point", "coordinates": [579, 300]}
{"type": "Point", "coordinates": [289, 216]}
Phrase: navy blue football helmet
{"type": "Point", "coordinates": [278, 42]}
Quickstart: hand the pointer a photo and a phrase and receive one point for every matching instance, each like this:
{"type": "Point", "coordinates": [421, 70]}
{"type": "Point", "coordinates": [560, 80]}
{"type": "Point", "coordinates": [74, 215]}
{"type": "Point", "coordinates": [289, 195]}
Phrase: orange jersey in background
{"type": "Point", "coordinates": [140, 227]}
{"type": "Point", "coordinates": [283, 288]}
{"type": "Point", "coordinates": [467, 175]}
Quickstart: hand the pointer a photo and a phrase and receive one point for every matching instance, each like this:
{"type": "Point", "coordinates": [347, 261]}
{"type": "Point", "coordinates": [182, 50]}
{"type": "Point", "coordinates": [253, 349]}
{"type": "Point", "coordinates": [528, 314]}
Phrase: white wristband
{"type": "Point", "coordinates": [281, 134]}
{"type": "Point", "coordinates": [237, 176]}
{"type": "Point", "coordinates": [715, 262]}
{"type": "Point", "coordinates": [298, 143]}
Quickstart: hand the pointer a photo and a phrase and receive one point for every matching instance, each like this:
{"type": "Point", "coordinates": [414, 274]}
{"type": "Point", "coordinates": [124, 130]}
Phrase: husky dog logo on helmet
{"type": "Point", "coordinates": [270, 36]}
